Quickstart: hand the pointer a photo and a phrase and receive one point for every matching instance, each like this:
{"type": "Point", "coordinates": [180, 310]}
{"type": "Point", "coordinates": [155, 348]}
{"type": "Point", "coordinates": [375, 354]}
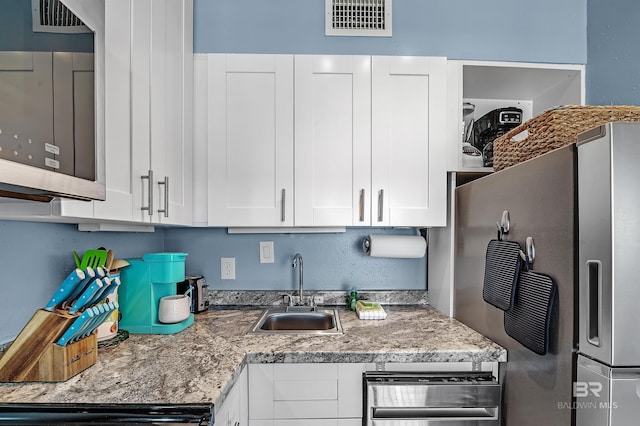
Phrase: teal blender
{"type": "Point", "coordinates": [143, 284]}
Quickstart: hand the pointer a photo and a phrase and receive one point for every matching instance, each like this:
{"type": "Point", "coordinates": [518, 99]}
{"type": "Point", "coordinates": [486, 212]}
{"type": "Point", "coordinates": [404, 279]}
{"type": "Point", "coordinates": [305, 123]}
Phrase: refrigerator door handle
{"type": "Point", "coordinates": [594, 303]}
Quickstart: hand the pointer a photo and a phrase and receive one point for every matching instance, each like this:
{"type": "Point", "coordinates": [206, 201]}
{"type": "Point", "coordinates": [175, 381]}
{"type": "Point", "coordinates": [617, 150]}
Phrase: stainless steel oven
{"type": "Point", "coordinates": [431, 398]}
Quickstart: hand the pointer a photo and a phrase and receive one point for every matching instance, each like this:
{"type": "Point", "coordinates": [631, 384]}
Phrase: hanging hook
{"type": "Point", "coordinates": [505, 222]}
{"type": "Point", "coordinates": [530, 256]}
{"type": "Point", "coordinates": [503, 225]}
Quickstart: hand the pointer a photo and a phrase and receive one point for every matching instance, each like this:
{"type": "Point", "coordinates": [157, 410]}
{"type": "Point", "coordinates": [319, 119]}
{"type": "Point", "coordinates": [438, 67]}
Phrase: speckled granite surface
{"type": "Point", "coordinates": [200, 364]}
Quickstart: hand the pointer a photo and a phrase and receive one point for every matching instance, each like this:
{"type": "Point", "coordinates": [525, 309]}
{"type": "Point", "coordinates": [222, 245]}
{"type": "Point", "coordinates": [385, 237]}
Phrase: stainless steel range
{"type": "Point", "coordinates": [431, 398]}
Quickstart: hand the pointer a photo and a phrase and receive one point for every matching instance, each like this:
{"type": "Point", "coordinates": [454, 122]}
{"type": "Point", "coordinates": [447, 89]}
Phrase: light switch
{"type": "Point", "coordinates": [266, 252]}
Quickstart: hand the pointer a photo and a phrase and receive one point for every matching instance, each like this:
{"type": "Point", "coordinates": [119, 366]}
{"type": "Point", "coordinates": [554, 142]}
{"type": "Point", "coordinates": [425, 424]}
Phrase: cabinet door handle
{"type": "Point", "coordinates": [149, 207]}
{"type": "Point", "coordinates": [165, 182]}
{"type": "Point", "coordinates": [361, 207]}
{"type": "Point", "coordinates": [283, 205]}
{"type": "Point", "coordinates": [380, 205]}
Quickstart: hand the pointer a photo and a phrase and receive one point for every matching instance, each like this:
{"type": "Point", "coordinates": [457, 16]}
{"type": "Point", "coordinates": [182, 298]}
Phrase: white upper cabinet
{"type": "Point", "coordinates": [408, 141]}
{"type": "Point", "coordinates": [250, 130]}
{"type": "Point", "coordinates": [119, 200]}
{"type": "Point", "coordinates": [321, 141]}
{"type": "Point", "coordinates": [161, 110]}
{"type": "Point", "coordinates": [148, 112]}
{"type": "Point", "coordinates": [332, 140]}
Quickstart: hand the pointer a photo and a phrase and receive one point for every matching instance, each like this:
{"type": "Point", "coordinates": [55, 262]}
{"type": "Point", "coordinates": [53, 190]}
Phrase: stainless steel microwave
{"type": "Point", "coordinates": [49, 81]}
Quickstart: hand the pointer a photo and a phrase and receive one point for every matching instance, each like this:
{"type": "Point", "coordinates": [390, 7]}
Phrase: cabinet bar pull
{"type": "Point", "coordinates": [380, 205]}
{"type": "Point", "coordinates": [149, 178]}
{"type": "Point", "coordinates": [165, 182]}
{"type": "Point", "coordinates": [361, 207]}
{"type": "Point", "coordinates": [283, 204]}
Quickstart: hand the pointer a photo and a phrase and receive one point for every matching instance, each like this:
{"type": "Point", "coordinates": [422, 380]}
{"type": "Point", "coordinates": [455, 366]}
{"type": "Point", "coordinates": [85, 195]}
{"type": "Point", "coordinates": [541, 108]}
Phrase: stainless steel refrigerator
{"type": "Point", "coordinates": [542, 197]}
{"type": "Point", "coordinates": [608, 379]}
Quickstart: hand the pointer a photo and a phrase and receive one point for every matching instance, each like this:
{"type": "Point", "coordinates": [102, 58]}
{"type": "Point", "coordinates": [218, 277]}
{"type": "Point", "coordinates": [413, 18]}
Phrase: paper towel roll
{"type": "Point", "coordinates": [397, 246]}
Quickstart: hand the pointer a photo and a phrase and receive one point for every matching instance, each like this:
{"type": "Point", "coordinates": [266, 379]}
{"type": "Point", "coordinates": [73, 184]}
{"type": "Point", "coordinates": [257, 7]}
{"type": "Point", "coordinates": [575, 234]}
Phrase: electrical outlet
{"type": "Point", "coordinates": [228, 268]}
{"type": "Point", "coordinates": [318, 300]}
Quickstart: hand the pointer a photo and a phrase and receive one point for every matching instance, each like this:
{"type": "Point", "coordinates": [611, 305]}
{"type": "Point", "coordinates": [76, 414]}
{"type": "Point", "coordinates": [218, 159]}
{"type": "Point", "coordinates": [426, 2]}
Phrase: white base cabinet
{"type": "Point", "coordinates": [306, 394]}
{"type": "Point", "coordinates": [234, 410]}
{"type": "Point", "coordinates": [307, 422]}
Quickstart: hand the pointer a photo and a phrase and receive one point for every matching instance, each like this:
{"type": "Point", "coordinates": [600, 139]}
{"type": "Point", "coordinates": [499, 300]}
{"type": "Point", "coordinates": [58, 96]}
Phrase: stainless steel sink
{"type": "Point", "coordinates": [298, 320]}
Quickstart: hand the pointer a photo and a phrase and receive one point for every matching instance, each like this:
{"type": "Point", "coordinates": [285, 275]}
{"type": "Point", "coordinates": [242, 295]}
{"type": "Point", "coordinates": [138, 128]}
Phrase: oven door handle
{"type": "Point", "coordinates": [435, 413]}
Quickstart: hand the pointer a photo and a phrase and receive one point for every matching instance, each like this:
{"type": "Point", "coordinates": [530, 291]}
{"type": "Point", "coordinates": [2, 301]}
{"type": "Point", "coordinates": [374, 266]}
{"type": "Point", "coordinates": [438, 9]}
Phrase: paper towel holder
{"type": "Point", "coordinates": [424, 233]}
{"type": "Point", "coordinates": [395, 246]}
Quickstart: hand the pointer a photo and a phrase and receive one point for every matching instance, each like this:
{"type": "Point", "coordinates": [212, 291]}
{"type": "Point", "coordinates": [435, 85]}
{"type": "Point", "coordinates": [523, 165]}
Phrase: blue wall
{"type": "Point", "coordinates": [613, 69]}
{"type": "Point", "coordinates": [540, 31]}
{"type": "Point", "coordinates": [331, 261]}
{"type": "Point", "coordinates": [36, 257]}
{"type": "Point", "coordinates": [16, 32]}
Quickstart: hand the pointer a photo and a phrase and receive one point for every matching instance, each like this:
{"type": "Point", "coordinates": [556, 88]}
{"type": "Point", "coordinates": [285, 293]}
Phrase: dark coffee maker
{"type": "Point", "coordinates": [492, 125]}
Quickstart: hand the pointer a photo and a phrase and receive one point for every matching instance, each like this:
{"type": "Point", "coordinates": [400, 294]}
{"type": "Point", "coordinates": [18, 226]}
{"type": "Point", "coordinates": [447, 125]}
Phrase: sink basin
{"type": "Point", "coordinates": [297, 321]}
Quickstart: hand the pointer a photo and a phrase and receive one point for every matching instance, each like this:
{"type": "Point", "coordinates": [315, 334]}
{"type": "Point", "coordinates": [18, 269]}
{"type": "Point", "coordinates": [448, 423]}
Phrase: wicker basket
{"type": "Point", "coordinates": [553, 129]}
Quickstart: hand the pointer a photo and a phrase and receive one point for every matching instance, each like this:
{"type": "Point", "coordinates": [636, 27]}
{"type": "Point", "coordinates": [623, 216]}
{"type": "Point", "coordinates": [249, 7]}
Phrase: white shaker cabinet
{"type": "Point", "coordinates": [370, 141]}
{"type": "Point", "coordinates": [306, 394]}
{"type": "Point", "coordinates": [119, 200]}
{"type": "Point", "coordinates": [332, 140]}
{"type": "Point", "coordinates": [234, 409]}
{"type": "Point", "coordinates": [250, 132]}
{"type": "Point", "coordinates": [322, 140]}
{"type": "Point", "coordinates": [408, 146]}
{"type": "Point", "coordinates": [161, 110]}
{"type": "Point", "coordinates": [148, 110]}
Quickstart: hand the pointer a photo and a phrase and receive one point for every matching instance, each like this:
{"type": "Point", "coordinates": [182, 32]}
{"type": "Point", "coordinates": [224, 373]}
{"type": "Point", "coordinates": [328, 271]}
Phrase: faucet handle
{"type": "Point", "coordinates": [288, 299]}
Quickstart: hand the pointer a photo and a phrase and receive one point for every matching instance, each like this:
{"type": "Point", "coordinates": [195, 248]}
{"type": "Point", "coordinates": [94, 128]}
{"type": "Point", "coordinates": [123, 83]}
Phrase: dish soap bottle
{"type": "Point", "coordinates": [353, 298]}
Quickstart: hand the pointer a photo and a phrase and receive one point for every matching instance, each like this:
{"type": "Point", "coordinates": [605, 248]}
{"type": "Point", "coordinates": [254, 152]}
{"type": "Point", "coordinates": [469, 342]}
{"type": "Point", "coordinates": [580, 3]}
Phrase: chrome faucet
{"type": "Point", "coordinates": [297, 261]}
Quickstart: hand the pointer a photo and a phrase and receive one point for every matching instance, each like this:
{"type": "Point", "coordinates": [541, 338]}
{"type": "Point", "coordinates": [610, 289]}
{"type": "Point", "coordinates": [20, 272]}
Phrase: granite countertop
{"type": "Point", "coordinates": [200, 364]}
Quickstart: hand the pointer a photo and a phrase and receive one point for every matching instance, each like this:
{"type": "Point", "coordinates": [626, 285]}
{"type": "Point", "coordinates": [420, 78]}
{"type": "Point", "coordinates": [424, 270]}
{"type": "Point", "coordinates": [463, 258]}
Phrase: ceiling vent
{"type": "Point", "coordinates": [358, 18]}
{"type": "Point", "coordinates": [51, 16]}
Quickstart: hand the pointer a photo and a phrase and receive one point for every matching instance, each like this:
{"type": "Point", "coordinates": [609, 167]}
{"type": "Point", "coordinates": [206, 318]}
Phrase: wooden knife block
{"type": "Point", "coordinates": [34, 355]}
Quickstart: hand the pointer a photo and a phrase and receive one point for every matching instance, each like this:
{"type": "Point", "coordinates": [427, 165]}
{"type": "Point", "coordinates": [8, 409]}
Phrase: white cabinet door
{"type": "Point", "coordinates": [251, 140]}
{"type": "Point", "coordinates": [332, 140]}
{"type": "Point", "coordinates": [161, 110]}
{"type": "Point", "coordinates": [408, 141]}
{"type": "Point", "coordinates": [260, 392]}
{"type": "Point", "coordinates": [306, 394]}
{"type": "Point", "coordinates": [140, 111]}
{"type": "Point", "coordinates": [234, 411]}
{"type": "Point", "coordinates": [171, 103]}
{"type": "Point", "coordinates": [119, 201]}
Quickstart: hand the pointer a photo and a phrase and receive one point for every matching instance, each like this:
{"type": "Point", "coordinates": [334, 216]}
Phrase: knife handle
{"type": "Point", "coordinates": [86, 296]}
{"type": "Point", "coordinates": [89, 275]}
{"type": "Point", "coordinates": [85, 325]}
{"type": "Point", "coordinates": [74, 328]}
{"type": "Point", "coordinates": [106, 283]}
{"type": "Point", "coordinates": [65, 289]}
{"type": "Point", "coordinates": [97, 322]}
